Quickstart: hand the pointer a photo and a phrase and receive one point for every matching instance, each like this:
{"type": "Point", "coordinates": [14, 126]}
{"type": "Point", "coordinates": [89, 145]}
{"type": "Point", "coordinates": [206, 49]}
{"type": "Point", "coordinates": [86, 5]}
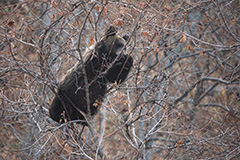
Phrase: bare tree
{"type": "Point", "coordinates": [180, 101]}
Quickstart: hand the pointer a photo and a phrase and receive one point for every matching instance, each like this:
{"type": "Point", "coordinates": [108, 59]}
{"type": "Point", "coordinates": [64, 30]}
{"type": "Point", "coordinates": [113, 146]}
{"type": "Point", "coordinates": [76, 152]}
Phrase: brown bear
{"type": "Point", "coordinates": [105, 63]}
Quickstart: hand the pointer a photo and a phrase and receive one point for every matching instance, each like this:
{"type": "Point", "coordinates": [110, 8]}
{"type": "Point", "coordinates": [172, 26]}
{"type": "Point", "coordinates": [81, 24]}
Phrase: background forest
{"type": "Point", "coordinates": [181, 99]}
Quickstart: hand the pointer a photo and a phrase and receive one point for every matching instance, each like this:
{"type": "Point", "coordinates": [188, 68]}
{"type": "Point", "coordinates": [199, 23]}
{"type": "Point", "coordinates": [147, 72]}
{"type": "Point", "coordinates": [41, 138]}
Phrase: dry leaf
{"type": "Point", "coordinates": [92, 42]}
{"type": "Point", "coordinates": [183, 39]}
{"type": "Point", "coordinates": [118, 22]}
{"type": "Point", "coordinates": [97, 8]}
{"type": "Point", "coordinates": [142, 5]}
{"type": "Point", "coordinates": [223, 93]}
{"type": "Point", "coordinates": [178, 143]}
{"type": "Point", "coordinates": [53, 16]}
{"type": "Point", "coordinates": [145, 33]}
{"type": "Point", "coordinates": [11, 23]}
{"type": "Point", "coordinates": [201, 53]}
{"type": "Point", "coordinates": [75, 23]}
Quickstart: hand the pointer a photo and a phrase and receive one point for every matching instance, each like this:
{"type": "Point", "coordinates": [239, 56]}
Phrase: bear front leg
{"type": "Point", "coordinates": [119, 71]}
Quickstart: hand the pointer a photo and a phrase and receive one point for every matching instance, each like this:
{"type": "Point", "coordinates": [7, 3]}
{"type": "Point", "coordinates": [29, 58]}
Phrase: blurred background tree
{"type": "Point", "coordinates": [180, 101]}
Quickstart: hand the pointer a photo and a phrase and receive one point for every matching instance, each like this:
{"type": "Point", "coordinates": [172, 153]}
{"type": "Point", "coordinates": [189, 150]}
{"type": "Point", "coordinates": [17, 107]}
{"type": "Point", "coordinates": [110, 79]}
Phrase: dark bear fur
{"type": "Point", "coordinates": [103, 65]}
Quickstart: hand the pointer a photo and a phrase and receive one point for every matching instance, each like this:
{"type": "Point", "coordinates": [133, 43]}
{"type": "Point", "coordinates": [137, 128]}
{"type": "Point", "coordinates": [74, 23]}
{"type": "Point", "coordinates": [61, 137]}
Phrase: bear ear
{"type": "Point", "coordinates": [125, 37]}
{"type": "Point", "coordinates": [111, 31]}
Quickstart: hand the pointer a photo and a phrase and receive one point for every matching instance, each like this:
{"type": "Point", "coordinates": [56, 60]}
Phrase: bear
{"type": "Point", "coordinates": [105, 63]}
